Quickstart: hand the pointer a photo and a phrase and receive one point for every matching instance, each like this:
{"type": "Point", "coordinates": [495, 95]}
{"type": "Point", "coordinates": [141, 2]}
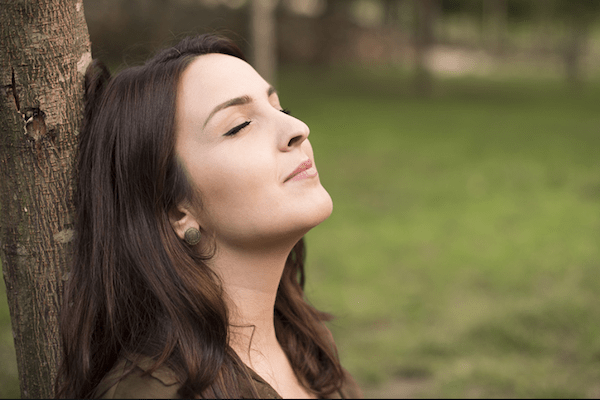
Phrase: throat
{"type": "Point", "coordinates": [274, 367]}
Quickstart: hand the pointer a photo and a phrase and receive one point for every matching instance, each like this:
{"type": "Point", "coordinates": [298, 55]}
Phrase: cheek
{"type": "Point", "coordinates": [233, 184]}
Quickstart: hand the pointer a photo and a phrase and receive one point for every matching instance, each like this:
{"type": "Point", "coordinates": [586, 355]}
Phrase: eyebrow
{"type": "Point", "coordinates": [238, 101]}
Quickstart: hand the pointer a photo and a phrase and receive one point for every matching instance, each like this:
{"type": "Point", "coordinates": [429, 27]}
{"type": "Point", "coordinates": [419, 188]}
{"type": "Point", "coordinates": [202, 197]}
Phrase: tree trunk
{"type": "Point", "coordinates": [45, 50]}
{"type": "Point", "coordinates": [264, 43]}
{"type": "Point", "coordinates": [423, 39]}
{"type": "Point", "coordinates": [334, 31]}
{"type": "Point", "coordinates": [573, 49]}
{"type": "Point", "coordinates": [495, 17]}
{"type": "Point", "coordinates": [391, 12]}
{"type": "Point", "coordinates": [543, 16]}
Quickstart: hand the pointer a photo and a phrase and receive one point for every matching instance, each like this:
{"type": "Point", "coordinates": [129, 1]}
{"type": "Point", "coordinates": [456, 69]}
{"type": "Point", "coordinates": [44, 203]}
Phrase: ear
{"type": "Point", "coordinates": [182, 219]}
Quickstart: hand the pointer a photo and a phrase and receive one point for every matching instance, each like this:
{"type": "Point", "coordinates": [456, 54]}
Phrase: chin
{"type": "Point", "coordinates": [320, 210]}
{"type": "Point", "coordinates": [286, 225]}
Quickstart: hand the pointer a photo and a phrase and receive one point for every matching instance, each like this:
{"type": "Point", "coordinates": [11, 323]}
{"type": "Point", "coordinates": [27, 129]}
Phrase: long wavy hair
{"type": "Point", "coordinates": [135, 288]}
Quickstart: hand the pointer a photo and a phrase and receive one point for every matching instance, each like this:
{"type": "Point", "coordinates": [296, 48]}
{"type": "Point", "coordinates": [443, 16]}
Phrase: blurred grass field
{"type": "Point", "coordinates": [463, 254]}
{"type": "Point", "coordinates": [462, 258]}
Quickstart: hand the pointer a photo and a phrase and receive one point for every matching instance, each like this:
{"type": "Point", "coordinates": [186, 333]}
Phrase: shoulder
{"type": "Point", "coordinates": [128, 380]}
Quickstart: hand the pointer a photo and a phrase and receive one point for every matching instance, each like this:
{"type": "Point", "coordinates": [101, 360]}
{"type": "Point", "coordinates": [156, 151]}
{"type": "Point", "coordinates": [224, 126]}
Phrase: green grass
{"type": "Point", "coordinates": [463, 254]}
{"type": "Point", "coordinates": [462, 258]}
{"type": "Point", "coordinates": [9, 380]}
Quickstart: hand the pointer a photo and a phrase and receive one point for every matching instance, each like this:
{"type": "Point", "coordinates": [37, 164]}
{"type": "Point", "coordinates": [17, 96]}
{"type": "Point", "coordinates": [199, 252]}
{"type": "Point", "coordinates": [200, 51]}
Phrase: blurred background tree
{"type": "Point", "coordinates": [459, 141]}
{"type": "Point", "coordinates": [413, 34]}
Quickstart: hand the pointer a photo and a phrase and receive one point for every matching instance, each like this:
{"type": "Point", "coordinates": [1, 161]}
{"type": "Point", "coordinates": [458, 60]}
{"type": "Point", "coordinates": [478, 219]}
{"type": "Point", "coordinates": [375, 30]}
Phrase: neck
{"type": "Point", "coordinates": [251, 279]}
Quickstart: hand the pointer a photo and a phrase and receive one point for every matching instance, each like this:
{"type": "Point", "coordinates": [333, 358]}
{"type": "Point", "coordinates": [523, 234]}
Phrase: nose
{"type": "Point", "coordinates": [293, 133]}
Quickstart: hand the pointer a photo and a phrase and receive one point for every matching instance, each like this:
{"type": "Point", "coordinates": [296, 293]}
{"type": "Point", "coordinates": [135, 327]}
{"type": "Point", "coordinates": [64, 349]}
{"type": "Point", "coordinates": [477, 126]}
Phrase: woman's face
{"type": "Point", "coordinates": [251, 163]}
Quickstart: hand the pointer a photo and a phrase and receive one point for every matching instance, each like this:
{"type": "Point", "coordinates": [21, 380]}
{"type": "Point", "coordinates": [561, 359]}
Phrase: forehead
{"type": "Point", "coordinates": [215, 78]}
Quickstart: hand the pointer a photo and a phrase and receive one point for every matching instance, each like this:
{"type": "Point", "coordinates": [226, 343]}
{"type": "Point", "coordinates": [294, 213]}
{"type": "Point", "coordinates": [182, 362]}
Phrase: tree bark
{"type": "Point", "coordinates": [45, 51]}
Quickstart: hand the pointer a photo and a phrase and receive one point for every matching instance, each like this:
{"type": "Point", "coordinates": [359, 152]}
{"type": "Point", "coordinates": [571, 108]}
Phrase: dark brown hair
{"type": "Point", "coordinates": [135, 288]}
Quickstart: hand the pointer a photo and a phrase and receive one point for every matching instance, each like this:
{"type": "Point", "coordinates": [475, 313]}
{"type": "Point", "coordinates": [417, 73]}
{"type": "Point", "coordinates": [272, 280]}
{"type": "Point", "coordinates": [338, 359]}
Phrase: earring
{"type": "Point", "coordinates": [192, 236]}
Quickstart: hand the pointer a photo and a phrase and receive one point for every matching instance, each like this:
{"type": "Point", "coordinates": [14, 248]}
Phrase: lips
{"type": "Point", "coordinates": [301, 171]}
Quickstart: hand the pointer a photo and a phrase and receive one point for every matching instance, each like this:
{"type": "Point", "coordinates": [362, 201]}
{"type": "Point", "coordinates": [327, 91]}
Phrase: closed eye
{"type": "Point", "coordinates": [236, 129]}
{"type": "Point", "coordinates": [286, 111]}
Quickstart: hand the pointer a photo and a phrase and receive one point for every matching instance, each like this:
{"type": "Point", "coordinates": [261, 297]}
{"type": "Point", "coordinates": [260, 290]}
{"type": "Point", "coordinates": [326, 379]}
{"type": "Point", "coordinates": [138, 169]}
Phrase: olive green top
{"type": "Point", "coordinates": [164, 384]}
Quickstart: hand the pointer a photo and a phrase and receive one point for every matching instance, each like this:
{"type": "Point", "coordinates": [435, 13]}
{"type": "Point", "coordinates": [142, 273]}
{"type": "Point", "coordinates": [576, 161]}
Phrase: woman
{"type": "Point", "coordinates": [195, 189]}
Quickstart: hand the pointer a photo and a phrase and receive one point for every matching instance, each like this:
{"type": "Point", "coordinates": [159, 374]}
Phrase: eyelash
{"type": "Point", "coordinates": [238, 128]}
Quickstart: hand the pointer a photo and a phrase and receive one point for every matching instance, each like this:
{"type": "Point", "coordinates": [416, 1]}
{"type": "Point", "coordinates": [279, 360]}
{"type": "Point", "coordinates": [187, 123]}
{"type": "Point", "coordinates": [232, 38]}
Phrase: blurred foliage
{"type": "Point", "coordinates": [363, 31]}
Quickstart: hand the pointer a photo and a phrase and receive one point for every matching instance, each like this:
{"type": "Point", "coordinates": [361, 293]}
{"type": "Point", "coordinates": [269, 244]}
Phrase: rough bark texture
{"type": "Point", "coordinates": [45, 50]}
